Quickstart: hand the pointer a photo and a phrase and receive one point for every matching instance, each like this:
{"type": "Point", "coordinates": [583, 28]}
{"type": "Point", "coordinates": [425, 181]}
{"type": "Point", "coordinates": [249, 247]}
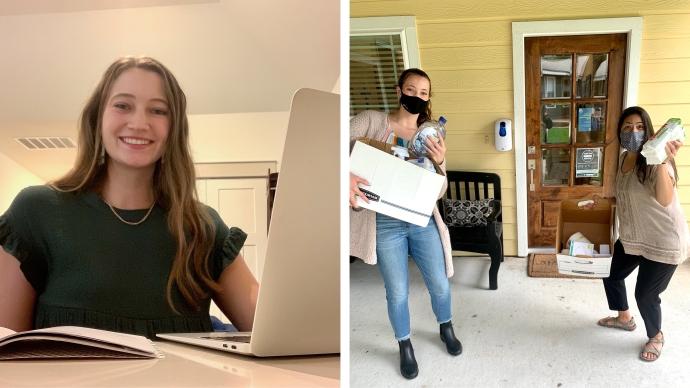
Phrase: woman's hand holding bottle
{"type": "Point", "coordinates": [436, 150]}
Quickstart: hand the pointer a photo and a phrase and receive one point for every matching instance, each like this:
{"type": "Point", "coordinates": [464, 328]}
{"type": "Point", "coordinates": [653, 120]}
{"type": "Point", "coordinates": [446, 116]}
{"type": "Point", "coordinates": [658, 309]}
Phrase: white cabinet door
{"type": "Point", "coordinates": [243, 203]}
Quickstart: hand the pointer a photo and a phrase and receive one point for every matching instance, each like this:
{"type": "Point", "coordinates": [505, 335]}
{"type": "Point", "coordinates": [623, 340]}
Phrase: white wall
{"type": "Point", "coordinates": [238, 137]}
{"type": "Point", "coordinates": [13, 178]}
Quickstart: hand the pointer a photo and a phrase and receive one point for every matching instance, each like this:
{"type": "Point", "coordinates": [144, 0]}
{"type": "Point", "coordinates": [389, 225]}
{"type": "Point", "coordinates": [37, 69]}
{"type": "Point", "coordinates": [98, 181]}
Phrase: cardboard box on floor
{"type": "Point", "coordinates": [403, 190]}
{"type": "Point", "coordinates": [597, 224]}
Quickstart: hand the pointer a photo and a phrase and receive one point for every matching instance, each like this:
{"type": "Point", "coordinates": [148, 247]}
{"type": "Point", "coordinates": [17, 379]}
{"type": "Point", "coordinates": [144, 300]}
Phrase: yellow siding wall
{"type": "Point", "coordinates": [466, 47]}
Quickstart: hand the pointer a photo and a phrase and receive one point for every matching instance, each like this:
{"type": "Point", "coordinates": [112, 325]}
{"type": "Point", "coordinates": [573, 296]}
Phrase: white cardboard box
{"type": "Point", "coordinates": [400, 189]}
{"type": "Point", "coordinates": [593, 267]}
{"type": "Point", "coordinates": [597, 225]}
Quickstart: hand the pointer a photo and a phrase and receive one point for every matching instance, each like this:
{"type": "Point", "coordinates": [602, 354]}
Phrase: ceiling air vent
{"type": "Point", "coordinates": [45, 143]}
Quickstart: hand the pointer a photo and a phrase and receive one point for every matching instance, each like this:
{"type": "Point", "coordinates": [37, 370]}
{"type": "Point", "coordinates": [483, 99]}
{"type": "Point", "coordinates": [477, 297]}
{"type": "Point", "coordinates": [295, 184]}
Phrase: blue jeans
{"type": "Point", "coordinates": [395, 241]}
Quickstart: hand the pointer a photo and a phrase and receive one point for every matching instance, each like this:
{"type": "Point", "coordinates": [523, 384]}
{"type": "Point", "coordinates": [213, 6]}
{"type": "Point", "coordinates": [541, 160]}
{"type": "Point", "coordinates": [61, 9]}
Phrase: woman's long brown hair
{"type": "Point", "coordinates": [173, 181]}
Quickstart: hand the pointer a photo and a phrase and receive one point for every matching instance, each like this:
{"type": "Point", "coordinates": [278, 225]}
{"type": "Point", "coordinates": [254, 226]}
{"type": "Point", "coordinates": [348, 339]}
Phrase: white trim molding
{"type": "Point", "coordinates": [226, 170]}
{"type": "Point", "coordinates": [521, 30]}
{"type": "Point", "coordinates": [405, 26]}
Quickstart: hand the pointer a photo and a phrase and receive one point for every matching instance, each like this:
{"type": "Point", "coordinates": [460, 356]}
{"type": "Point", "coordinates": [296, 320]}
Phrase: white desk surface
{"type": "Point", "coordinates": [183, 366]}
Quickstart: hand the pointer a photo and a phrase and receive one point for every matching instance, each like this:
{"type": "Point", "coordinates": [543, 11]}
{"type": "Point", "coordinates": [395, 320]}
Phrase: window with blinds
{"type": "Point", "coordinates": [376, 62]}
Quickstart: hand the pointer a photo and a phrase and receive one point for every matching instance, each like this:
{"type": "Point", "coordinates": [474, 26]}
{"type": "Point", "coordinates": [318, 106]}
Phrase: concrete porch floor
{"type": "Point", "coordinates": [531, 332]}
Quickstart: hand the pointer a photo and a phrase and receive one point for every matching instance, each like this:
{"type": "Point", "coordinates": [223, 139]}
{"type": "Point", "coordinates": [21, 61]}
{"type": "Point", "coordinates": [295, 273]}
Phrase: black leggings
{"type": "Point", "coordinates": [652, 279]}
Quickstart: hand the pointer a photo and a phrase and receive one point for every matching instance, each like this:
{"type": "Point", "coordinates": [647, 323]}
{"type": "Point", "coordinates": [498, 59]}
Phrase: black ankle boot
{"type": "Point", "coordinates": [408, 364]}
{"type": "Point", "coordinates": [453, 345]}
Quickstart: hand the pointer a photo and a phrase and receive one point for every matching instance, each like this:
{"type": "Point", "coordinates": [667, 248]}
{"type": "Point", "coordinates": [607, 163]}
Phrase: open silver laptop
{"type": "Point", "coordinates": [298, 309]}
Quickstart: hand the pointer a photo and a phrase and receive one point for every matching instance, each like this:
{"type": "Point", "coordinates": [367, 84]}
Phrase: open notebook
{"type": "Point", "coordinates": [73, 342]}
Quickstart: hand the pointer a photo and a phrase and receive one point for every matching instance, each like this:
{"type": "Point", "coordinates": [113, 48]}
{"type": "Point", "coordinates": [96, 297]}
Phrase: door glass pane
{"type": "Point", "coordinates": [555, 164]}
{"type": "Point", "coordinates": [591, 125]}
{"type": "Point", "coordinates": [556, 76]}
{"type": "Point", "coordinates": [588, 166]}
{"type": "Point", "coordinates": [592, 74]}
{"type": "Point", "coordinates": [555, 123]}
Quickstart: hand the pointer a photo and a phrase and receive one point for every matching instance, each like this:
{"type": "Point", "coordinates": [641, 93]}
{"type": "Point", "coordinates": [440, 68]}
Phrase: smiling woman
{"type": "Point", "coordinates": [121, 241]}
{"type": "Point", "coordinates": [135, 120]}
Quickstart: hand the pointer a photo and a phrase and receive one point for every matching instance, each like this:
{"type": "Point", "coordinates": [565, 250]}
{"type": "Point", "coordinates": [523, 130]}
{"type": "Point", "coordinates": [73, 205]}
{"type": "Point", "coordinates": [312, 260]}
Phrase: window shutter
{"type": "Point", "coordinates": [376, 62]}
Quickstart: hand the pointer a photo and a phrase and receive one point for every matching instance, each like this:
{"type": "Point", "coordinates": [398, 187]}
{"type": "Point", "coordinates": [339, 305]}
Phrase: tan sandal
{"type": "Point", "coordinates": [653, 347]}
{"type": "Point", "coordinates": [614, 323]}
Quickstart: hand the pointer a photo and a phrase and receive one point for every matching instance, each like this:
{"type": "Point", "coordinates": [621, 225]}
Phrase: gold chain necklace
{"type": "Point", "coordinates": [128, 222]}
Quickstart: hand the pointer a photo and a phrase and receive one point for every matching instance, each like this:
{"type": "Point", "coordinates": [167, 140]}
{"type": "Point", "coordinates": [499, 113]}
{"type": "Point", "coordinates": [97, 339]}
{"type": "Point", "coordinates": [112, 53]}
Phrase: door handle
{"type": "Point", "coordinates": [531, 165]}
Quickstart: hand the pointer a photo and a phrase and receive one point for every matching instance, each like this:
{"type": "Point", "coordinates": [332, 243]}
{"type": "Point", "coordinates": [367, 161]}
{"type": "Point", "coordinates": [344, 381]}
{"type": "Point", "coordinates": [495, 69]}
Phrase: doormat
{"type": "Point", "coordinates": [543, 265]}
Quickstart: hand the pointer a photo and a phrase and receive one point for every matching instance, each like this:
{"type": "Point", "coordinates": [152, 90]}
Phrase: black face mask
{"type": "Point", "coordinates": [413, 104]}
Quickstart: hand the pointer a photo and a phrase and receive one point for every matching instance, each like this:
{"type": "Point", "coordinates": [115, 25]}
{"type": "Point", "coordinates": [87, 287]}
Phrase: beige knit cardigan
{"type": "Point", "coordinates": [373, 124]}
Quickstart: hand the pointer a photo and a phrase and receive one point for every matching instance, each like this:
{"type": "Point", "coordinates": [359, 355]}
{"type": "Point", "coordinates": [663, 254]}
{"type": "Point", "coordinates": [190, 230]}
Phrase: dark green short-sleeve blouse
{"type": "Point", "coordinates": [90, 269]}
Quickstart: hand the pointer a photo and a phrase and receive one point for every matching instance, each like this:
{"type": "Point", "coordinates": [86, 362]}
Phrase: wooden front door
{"type": "Point", "coordinates": [574, 92]}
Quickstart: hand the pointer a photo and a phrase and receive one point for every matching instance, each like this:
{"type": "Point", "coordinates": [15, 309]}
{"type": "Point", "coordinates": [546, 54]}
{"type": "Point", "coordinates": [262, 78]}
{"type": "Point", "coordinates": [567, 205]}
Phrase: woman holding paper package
{"type": "Point", "coordinates": [653, 230]}
{"type": "Point", "coordinates": [386, 241]}
{"type": "Point", "coordinates": [120, 242]}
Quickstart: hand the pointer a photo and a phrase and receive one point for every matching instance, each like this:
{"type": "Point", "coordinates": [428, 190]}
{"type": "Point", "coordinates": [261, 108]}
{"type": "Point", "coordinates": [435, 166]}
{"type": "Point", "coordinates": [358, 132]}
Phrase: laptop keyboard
{"type": "Point", "coordinates": [234, 338]}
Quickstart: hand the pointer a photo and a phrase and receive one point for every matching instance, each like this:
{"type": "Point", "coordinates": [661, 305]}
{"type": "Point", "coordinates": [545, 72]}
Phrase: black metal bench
{"type": "Point", "coordinates": [487, 239]}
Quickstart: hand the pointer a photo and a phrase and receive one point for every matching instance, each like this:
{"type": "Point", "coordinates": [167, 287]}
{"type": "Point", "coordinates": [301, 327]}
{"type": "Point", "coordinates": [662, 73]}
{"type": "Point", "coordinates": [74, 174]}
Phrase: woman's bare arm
{"type": "Point", "coordinates": [17, 296]}
{"type": "Point", "coordinates": [665, 184]}
{"type": "Point", "coordinates": [240, 291]}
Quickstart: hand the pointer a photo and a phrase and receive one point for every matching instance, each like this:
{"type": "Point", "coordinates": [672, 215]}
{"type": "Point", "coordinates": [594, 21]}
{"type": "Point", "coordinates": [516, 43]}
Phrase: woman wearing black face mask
{"type": "Point", "coordinates": [377, 238]}
{"type": "Point", "coordinates": [653, 231]}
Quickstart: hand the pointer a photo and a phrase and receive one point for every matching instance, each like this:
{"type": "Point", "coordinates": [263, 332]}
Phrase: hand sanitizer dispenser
{"type": "Point", "coordinates": [503, 132]}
